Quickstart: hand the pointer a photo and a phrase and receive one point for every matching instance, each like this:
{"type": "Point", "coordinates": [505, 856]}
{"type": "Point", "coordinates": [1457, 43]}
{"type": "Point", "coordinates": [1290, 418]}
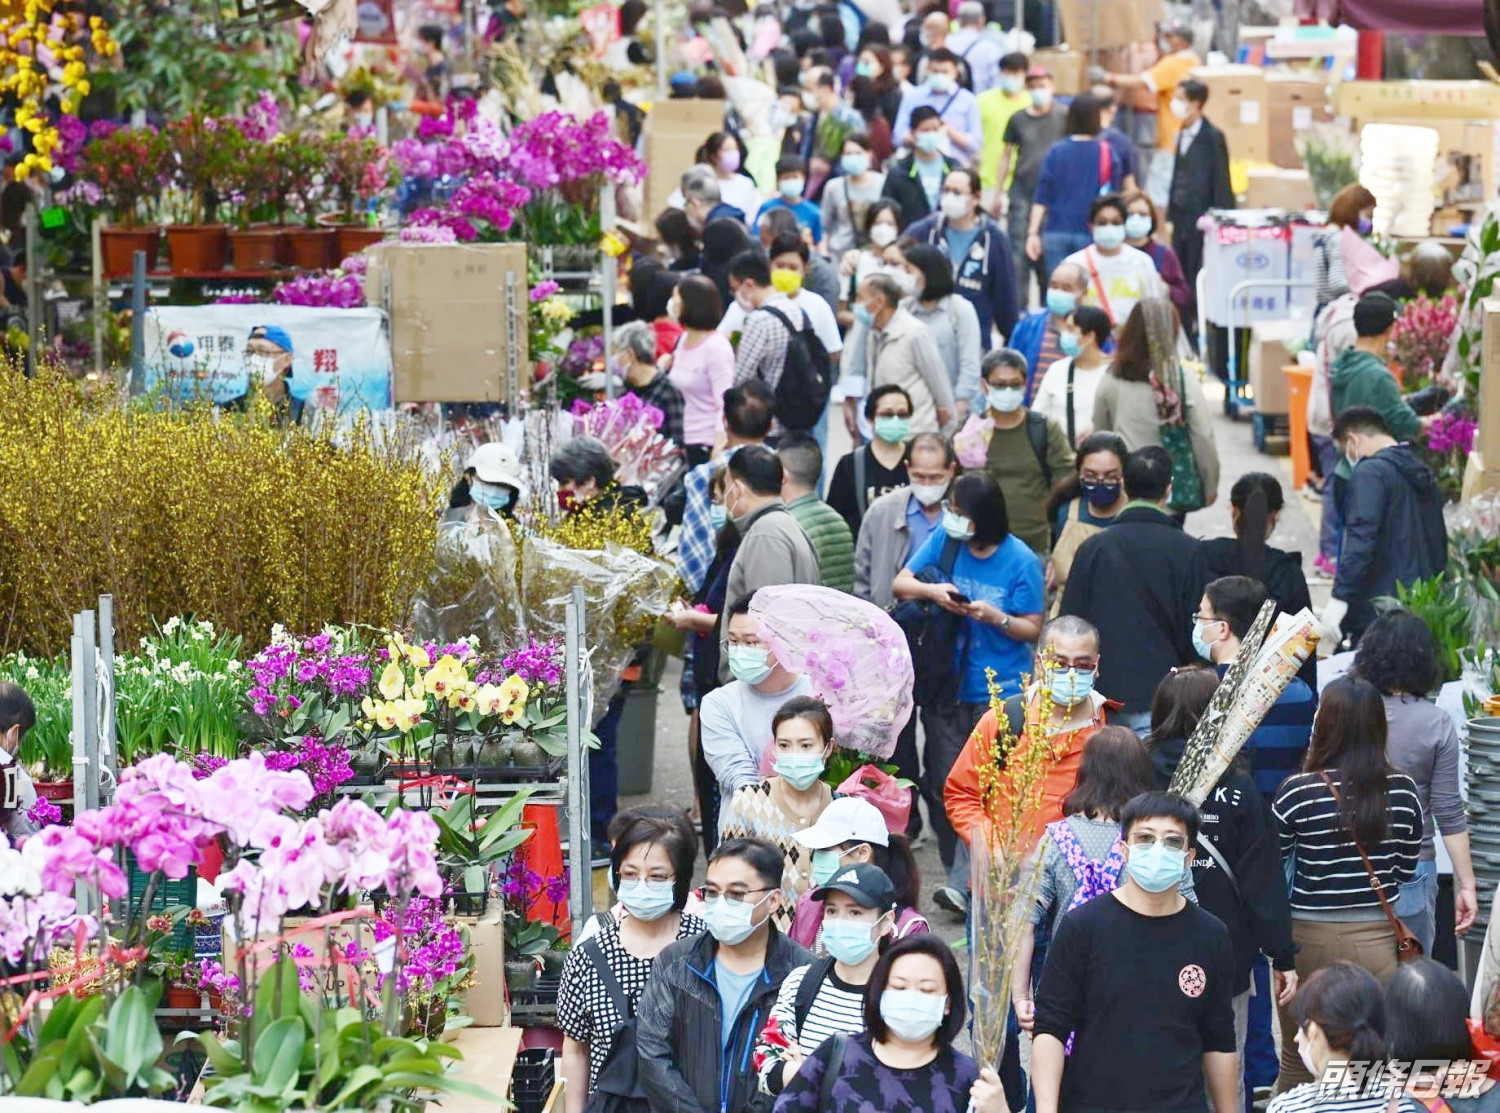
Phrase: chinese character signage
{"type": "Point", "coordinates": [302, 357]}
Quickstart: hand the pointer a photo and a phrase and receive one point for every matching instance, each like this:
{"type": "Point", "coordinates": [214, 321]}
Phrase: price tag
{"type": "Point", "coordinates": [1302, 117]}
{"type": "Point", "coordinates": [10, 795]}
{"type": "Point", "coordinates": [1249, 111]}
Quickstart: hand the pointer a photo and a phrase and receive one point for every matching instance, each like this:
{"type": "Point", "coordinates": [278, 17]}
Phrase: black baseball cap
{"type": "Point", "coordinates": [865, 883]}
{"type": "Point", "coordinates": [1374, 314]}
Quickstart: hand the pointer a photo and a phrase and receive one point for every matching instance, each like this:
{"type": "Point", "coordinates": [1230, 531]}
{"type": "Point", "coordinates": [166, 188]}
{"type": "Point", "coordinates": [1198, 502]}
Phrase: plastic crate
{"type": "Point", "coordinates": [168, 894]}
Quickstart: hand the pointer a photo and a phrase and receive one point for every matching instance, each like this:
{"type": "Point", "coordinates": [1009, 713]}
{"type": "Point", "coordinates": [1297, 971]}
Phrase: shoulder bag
{"type": "Point", "coordinates": [1408, 946]}
{"type": "Point", "coordinates": [1187, 481]}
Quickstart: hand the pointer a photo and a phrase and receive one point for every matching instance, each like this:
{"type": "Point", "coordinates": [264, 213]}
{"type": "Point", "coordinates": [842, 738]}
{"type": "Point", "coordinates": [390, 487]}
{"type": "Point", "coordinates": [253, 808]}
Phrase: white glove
{"type": "Point", "coordinates": [1332, 621]}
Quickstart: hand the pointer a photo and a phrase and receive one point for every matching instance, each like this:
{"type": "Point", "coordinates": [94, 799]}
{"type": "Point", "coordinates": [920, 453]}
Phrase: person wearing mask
{"type": "Point", "coordinates": [723, 240]}
{"type": "Point", "coordinates": [721, 151]}
{"type": "Point", "coordinates": [981, 53]}
{"type": "Point", "coordinates": [635, 343]}
{"type": "Point", "coordinates": [584, 473]}
{"type": "Point", "coordinates": [877, 93]}
{"type": "Point", "coordinates": [899, 350]}
{"type": "Point", "coordinates": [1027, 453]}
{"type": "Point", "coordinates": [17, 716]}
{"type": "Point", "coordinates": [847, 198]}
{"type": "Point", "coordinates": [993, 581]}
{"type": "Point", "coordinates": [832, 111]}
{"type": "Point", "coordinates": [1039, 336]}
{"type": "Point", "coordinates": [1162, 80]}
{"type": "Point", "coordinates": [1344, 247]}
{"type": "Point", "coordinates": [1394, 533]}
{"type": "Point", "coordinates": [774, 550]}
{"type": "Point", "coordinates": [1426, 1021]}
{"type": "Point", "coordinates": [1360, 376]}
{"type": "Point", "coordinates": [1200, 181]}
{"type": "Point", "coordinates": [1238, 877]}
{"type": "Point", "coordinates": [795, 124]}
{"type": "Point", "coordinates": [1398, 656]}
{"type": "Point", "coordinates": [1142, 981]}
{"type": "Point", "coordinates": [1023, 145]}
{"type": "Point", "coordinates": [1352, 826]}
{"type": "Point", "coordinates": [1066, 392]}
{"type": "Point", "coordinates": [1120, 145]}
{"type": "Point", "coordinates": [873, 469]}
{"type": "Point", "coordinates": [977, 249]}
{"type": "Point", "coordinates": [832, 540]}
{"type": "Point", "coordinates": [932, 25]}
{"type": "Point", "coordinates": [960, 131]}
{"type": "Point", "coordinates": [651, 866]}
{"type": "Point", "coordinates": [677, 240]}
{"type": "Point", "coordinates": [950, 317]}
{"type": "Point", "coordinates": [359, 110]}
{"type": "Point", "coordinates": [820, 276]}
{"type": "Point", "coordinates": [791, 184]}
{"type": "Point", "coordinates": [915, 181]}
{"type": "Point", "coordinates": [792, 798]}
{"type": "Point", "coordinates": [1084, 505]}
{"type": "Point", "coordinates": [1120, 276]}
{"type": "Point", "coordinates": [881, 229]}
{"type": "Point", "coordinates": [904, 1059]}
{"type": "Point", "coordinates": [1076, 172]}
{"type": "Point", "coordinates": [852, 832]}
{"type": "Point", "coordinates": [651, 288]}
{"type": "Point", "coordinates": [492, 479]}
{"type": "Point", "coordinates": [1147, 389]}
{"type": "Point", "coordinates": [710, 996]}
{"type": "Point", "coordinates": [997, 104]}
{"type": "Point", "coordinates": [771, 315]}
{"type": "Point", "coordinates": [1139, 582]}
{"type": "Point", "coordinates": [702, 366]}
{"type": "Point", "coordinates": [827, 997]}
{"type": "Point", "coordinates": [703, 199]}
{"type": "Point", "coordinates": [1141, 228]}
{"type": "Point", "coordinates": [437, 76]}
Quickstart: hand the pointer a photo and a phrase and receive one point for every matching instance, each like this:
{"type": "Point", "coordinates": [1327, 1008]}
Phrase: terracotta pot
{"type": "Point", "coordinates": [197, 248]}
{"type": "Point", "coordinates": [55, 790]}
{"type": "Point", "coordinates": [254, 249]}
{"type": "Point", "coordinates": [118, 243]}
{"type": "Point", "coordinates": [354, 238]}
{"type": "Point", "coordinates": [183, 997]}
{"type": "Point", "coordinates": [307, 248]}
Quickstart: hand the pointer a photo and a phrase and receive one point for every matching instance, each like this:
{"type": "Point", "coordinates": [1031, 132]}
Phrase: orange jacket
{"type": "Point", "coordinates": [961, 798]}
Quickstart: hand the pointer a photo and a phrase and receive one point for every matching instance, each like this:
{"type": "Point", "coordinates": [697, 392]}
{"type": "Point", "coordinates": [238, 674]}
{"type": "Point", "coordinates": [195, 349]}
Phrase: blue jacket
{"type": "Point", "coordinates": [1279, 744]}
{"type": "Point", "coordinates": [1027, 339]}
{"type": "Point", "coordinates": [987, 276]}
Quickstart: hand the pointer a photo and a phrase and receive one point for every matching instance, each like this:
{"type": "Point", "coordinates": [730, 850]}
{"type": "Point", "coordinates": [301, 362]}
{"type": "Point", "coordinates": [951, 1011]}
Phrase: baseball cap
{"type": "Point", "coordinates": [1373, 314]}
{"type": "Point", "coordinates": [1037, 72]}
{"type": "Point", "coordinates": [847, 819]}
{"type": "Point", "coordinates": [495, 463]}
{"type": "Point", "coordinates": [866, 884]}
{"type": "Point", "coordinates": [275, 334]}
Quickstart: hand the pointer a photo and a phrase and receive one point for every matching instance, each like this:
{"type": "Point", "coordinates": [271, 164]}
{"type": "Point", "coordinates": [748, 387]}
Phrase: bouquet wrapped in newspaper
{"type": "Point", "coordinates": [1271, 654]}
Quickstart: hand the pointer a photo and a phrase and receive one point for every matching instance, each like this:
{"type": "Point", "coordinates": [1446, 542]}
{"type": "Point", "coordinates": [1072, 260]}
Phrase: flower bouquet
{"type": "Point", "coordinates": [631, 430]}
{"type": "Point", "coordinates": [1421, 337]}
{"type": "Point", "coordinates": [1450, 438]}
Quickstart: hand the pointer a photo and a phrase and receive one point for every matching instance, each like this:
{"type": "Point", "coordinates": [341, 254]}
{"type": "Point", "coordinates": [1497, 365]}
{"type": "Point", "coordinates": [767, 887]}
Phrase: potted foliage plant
{"type": "Point", "coordinates": [309, 245]}
{"type": "Point", "coordinates": [471, 846]}
{"type": "Point", "coordinates": [124, 163]}
{"type": "Point", "coordinates": [359, 171]}
{"type": "Point", "coordinates": [207, 151]}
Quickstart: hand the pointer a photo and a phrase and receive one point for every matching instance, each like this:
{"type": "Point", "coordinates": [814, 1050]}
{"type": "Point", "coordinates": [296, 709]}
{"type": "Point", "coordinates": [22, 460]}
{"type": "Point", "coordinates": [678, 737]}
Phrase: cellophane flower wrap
{"type": "Point", "coordinates": [631, 430]}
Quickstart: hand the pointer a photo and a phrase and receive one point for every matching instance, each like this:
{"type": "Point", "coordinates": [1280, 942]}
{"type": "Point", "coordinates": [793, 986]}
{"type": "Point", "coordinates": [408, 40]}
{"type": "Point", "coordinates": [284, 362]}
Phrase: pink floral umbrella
{"type": "Point", "coordinates": [854, 654]}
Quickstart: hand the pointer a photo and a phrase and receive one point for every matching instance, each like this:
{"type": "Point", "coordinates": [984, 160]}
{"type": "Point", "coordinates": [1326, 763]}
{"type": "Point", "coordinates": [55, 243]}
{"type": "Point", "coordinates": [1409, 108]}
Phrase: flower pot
{"type": "Point", "coordinates": [552, 963]}
{"type": "Point", "coordinates": [307, 248]}
{"type": "Point", "coordinates": [520, 974]}
{"type": "Point", "coordinates": [55, 790]}
{"type": "Point", "coordinates": [197, 248]}
{"type": "Point", "coordinates": [118, 243]}
{"type": "Point", "coordinates": [183, 997]}
{"type": "Point", "coordinates": [527, 753]}
{"type": "Point", "coordinates": [254, 249]}
{"type": "Point", "coordinates": [351, 239]}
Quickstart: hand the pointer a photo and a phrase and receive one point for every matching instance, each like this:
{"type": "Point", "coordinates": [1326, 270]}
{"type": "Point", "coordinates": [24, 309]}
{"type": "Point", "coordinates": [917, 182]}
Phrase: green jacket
{"type": "Point", "coordinates": [1360, 379]}
{"type": "Point", "coordinates": [831, 540]}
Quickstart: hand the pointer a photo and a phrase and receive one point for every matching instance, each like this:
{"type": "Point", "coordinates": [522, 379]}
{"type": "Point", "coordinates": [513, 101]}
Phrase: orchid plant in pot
{"type": "Point", "coordinates": [360, 173]}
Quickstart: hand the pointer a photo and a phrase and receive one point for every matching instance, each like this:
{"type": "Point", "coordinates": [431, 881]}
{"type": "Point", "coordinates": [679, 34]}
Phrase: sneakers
{"type": "Point", "coordinates": [951, 900]}
{"type": "Point", "coordinates": [1325, 567]}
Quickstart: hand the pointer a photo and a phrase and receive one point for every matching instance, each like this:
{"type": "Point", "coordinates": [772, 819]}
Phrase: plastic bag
{"type": "Point", "coordinates": [472, 589]}
{"type": "Point", "coordinates": [875, 785]}
{"type": "Point", "coordinates": [972, 442]}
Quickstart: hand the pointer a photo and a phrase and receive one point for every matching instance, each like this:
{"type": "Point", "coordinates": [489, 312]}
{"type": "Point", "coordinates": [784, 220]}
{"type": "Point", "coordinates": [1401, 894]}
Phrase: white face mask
{"type": "Point", "coordinates": [904, 279]}
{"type": "Point", "coordinates": [955, 206]}
{"type": "Point", "coordinates": [941, 82]}
{"type": "Point", "coordinates": [883, 235]}
{"type": "Point", "coordinates": [929, 494]}
{"type": "Point", "coordinates": [1178, 107]}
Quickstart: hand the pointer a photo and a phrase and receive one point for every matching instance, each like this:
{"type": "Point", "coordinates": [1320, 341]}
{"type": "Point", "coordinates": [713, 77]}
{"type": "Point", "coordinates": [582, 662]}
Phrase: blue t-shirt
{"type": "Point", "coordinates": [930, 175]}
{"type": "Point", "coordinates": [734, 991]}
{"type": "Point", "coordinates": [1010, 578]}
{"type": "Point", "coordinates": [807, 214]}
{"type": "Point", "coordinates": [958, 243]}
{"type": "Point", "coordinates": [1069, 183]}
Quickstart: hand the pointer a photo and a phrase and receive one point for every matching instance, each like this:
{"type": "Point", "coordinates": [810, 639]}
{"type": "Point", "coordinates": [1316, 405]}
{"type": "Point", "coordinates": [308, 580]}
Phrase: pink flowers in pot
{"type": "Point", "coordinates": [1421, 336]}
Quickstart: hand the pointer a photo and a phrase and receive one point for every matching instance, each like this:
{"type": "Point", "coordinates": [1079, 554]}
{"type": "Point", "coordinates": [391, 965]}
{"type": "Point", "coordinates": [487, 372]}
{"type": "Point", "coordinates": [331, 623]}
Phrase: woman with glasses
{"type": "Point", "coordinates": [904, 1061]}
{"type": "Point", "coordinates": [1083, 505]}
{"type": "Point", "coordinates": [1352, 826]}
{"type": "Point", "coordinates": [651, 861]}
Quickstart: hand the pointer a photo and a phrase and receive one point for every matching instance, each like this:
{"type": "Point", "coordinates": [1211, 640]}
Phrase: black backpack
{"type": "Point", "coordinates": [618, 1088]}
{"type": "Point", "coordinates": [806, 378]}
{"type": "Point", "coordinates": [935, 635]}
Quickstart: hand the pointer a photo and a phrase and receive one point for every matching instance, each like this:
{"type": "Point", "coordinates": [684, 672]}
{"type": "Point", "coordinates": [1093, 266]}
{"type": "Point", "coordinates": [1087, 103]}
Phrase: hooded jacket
{"type": "Point", "coordinates": [986, 276]}
{"type": "Point", "coordinates": [1393, 531]}
{"type": "Point", "coordinates": [684, 1068]}
{"type": "Point", "coordinates": [1359, 378]}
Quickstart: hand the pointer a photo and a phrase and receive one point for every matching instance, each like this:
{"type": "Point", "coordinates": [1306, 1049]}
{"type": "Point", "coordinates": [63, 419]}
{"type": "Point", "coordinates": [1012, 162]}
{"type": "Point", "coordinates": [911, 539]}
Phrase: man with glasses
{"type": "Point", "coordinates": [710, 995]}
{"type": "Point", "coordinates": [1141, 981]}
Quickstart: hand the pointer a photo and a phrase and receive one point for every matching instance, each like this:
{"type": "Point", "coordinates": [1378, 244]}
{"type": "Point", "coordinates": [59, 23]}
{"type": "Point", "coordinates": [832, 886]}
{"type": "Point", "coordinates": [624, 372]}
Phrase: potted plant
{"type": "Point", "coordinates": [306, 155]}
{"type": "Point", "coordinates": [359, 172]}
{"type": "Point", "coordinates": [526, 941]}
{"type": "Point", "coordinates": [125, 164]}
{"type": "Point", "coordinates": [471, 847]}
{"type": "Point", "coordinates": [207, 151]}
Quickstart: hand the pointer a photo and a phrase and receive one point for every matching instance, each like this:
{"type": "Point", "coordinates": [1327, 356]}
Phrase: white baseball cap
{"type": "Point", "coordinates": [847, 819]}
{"type": "Point", "coordinates": [493, 462]}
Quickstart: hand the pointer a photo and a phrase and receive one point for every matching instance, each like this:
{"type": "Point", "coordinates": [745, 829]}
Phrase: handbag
{"type": "Point", "coordinates": [1408, 946]}
{"type": "Point", "coordinates": [1187, 481]}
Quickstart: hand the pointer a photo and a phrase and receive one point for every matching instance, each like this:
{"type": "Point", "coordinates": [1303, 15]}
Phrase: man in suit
{"type": "Point", "coordinates": [1200, 180]}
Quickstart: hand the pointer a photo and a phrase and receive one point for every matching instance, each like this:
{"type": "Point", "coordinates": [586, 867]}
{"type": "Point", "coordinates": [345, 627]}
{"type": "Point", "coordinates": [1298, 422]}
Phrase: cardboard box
{"type": "Point", "coordinates": [1384, 101]}
{"type": "Point", "coordinates": [1089, 25]}
{"type": "Point", "coordinates": [1294, 103]}
{"type": "Point", "coordinates": [674, 131]}
{"type": "Point", "coordinates": [489, 1061]}
{"type": "Point", "coordinates": [1237, 107]}
{"type": "Point", "coordinates": [1069, 69]}
{"type": "Point", "coordinates": [458, 319]}
{"type": "Point", "coordinates": [1268, 355]}
{"type": "Point", "coordinates": [1273, 188]}
{"type": "Point", "coordinates": [486, 1002]}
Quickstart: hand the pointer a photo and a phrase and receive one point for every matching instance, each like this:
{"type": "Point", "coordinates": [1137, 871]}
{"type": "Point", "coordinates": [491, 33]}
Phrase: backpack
{"type": "Point", "coordinates": [806, 378]}
{"type": "Point", "coordinates": [807, 991]}
{"type": "Point", "coordinates": [1036, 433]}
{"type": "Point", "coordinates": [618, 1088]}
{"type": "Point", "coordinates": [1094, 878]}
{"type": "Point", "coordinates": [935, 636]}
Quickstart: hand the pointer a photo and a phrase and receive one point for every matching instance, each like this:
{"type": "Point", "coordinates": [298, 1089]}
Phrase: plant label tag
{"type": "Point", "coordinates": [10, 794]}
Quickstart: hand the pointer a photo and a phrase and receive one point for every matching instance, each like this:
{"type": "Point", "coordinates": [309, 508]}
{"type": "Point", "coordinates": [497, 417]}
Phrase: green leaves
{"type": "Point", "coordinates": [278, 1058]}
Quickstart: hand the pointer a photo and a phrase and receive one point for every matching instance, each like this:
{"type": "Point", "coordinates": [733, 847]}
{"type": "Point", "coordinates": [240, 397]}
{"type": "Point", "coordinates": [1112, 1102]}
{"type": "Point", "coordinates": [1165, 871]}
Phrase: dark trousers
{"type": "Point", "coordinates": [947, 727]}
{"type": "Point", "coordinates": [1188, 244]}
{"type": "Point", "coordinates": [706, 786]}
{"type": "Point", "coordinates": [1261, 1064]}
{"type": "Point", "coordinates": [604, 774]}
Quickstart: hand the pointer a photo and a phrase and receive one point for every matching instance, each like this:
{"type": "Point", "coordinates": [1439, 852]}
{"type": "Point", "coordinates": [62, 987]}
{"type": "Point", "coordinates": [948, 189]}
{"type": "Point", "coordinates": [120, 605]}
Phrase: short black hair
{"type": "Point", "coordinates": [16, 708]}
{"type": "Point", "coordinates": [656, 825]}
{"type": "Point", "coordinates": [884, 205]}
{"type": "Point", "coordinates": [827, 81]}
{"type": "Point", "coordinates": [801, 458]}
{"type": "Point", "coordinates": [1397, 653]}
{"type": "Point", "coordinates": [748, 409]}
{"type": "Point", "coordinates": [751, 265]}
{"type": "Point", "coordinates": [921, 114]}
{"type": "Point", "coordinates": [357, 98]}
{"type": "Point", "coordinates": [758, 854]}
{"type": "Point", "coordinates": [1148, 473]}
{"type": "Point", "coordinates": [1426, 1013]}
{"type": "Point", "coordinates": [791, 164]}
{"type": "Point", "coordinates": [701, 307]}
{"type": "Point", "coordinates": [789, 245]}
{"type": "Point", "coordinates": [810, 708]}
{"type": "Point", "coordinates": [1108, 201]}
{"type": "Point", "coordinates": [740, 606]}
{"type": "Point", "coordinates": [1194, 90]}
{"type": "Point", "coordinates": [430, 33]}
{"type": "Point", "coordinates": [936, 268]}
{"type": "Point", "coordinates": [758, 468]}
{"type": "Point", "coordinates": [1159, 805]}
{"type": "Point", "coordinates": [1237, 600]}
{"type": "Point", "coordinates": [873, 399]}
{"type": "Point", "coordinates": [978, 496]}
{"type": "Point", "coordinates": [924, 944]}
{"type": "Point", "coordinates": [1014, 61]}
{"type": "Point", "coordinates": [943, 55]}
{"type": "Point", "coordinates": [1093, 321]}
{"type": "Point", "coordinates": [1365, 420]}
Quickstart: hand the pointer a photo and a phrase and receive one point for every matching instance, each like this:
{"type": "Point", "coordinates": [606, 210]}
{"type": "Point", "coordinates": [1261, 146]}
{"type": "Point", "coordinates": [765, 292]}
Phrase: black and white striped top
{"type": "Point", "coordinates": [1317, 1097]}
{"type": "Point", "coordinates": [1329, 873]}
{"type": "Point", "coordinates": [838, 1007]}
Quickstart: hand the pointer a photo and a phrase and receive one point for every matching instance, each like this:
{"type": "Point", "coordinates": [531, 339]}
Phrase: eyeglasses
{"type": "Point", "coordinates": [629, 874]}
{"type": "Point", "coordinates": [1095, 477]}
{"type": "Point", "coordinates": [1082, 664]}
{"type": "Point", "coordinates": [733, 896]}
{"type": "Point", "coordinates": [1206, 618]}
{"type": "Point", "coordinates": [1145, 840]}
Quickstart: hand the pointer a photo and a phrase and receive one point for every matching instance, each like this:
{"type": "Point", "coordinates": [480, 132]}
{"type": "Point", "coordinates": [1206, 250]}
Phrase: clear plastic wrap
{"type": "Point", "coordinates": [472, 589]}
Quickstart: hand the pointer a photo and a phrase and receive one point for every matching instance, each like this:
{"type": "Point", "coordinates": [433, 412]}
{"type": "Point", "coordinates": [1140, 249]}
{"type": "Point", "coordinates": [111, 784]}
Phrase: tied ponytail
{"type": "Point", "coordinates": [1365, 1043]}
{"type": "Point", "coordinates": [1347, 1003]}
{"type": "Point", "coordinates": [1251, 535]}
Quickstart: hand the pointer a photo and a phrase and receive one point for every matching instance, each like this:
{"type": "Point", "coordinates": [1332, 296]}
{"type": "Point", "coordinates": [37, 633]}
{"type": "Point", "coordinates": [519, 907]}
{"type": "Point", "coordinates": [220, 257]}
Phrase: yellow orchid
{"type": "Point", "coordinates": [418, 657]}
{"type": "Point", "coordinates": [408, 713]}
{"type": "Point", "coordinates": [491, 699]}
{"type": "Point", "coordinates": [514, 692]}
{"type": "Point", "coordinates": [445, 676]}
{"type": "Point", "coordinates": [392, 680]}
{"type": "Point", "coordinates": [383, 714]}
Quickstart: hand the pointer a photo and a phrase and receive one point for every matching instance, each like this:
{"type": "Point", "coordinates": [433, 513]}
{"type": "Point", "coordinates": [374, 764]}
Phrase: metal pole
{"type": "Point", "coordinates": [90, 712]}
{"type": "Point", "coordinates": [661, 50]}
{"type": "Point", "coordinates": [106, 659]}
{"type": "Point", "coordinates": [101, 294]}
{"type": "Point", "coordinates": [83, 893]}
{"type": "Point", "coordinates": [580, 849]}
{"type": "Point", "coordinates": [607, 270]}
{"type": "Point", "coordinates": [1020, 24]}
{"type": "Point", "coordinates": [34, 307]}
{"type": "Point", "coordinates": [138, 324]}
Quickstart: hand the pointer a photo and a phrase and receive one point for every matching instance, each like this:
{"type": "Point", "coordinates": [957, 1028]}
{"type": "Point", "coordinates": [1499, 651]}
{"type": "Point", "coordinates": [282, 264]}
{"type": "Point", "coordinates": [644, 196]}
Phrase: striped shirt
{"type": "Point", "coordinates": [1330, 876]}
{"type": "Point", "coordinates": [1346, 1097]}
{"type": "Point", "coordinates": [838, 1007]}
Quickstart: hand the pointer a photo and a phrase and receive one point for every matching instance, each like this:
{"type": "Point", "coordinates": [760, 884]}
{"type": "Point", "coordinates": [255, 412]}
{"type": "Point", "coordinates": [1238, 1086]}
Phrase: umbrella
{"type": "Point", "coordinates": [854, 654]}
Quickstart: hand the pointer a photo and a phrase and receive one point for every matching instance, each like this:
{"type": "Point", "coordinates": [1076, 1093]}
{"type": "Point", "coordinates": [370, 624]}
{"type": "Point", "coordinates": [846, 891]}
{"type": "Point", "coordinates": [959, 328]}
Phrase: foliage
{"type": "Point", "coordinates": [90, 1048]}
{"type": "Point", "coordinates": [358, 169]}
{"type": "Point", "coordinates": [1331, 155]}
{"type": "Point", "coordinates": [523, 888]}
{"type": "Point", "coordinates": [42, 47]}
{"type": "Point", "coordinates": [1476, 271]}
{"type": "Point", "coordinates": [126, 166]}
{"type": "Point", "coordinates": [471, 847]}
{"type": "Point", "coordinates": [1439, 601]}
{"type": "Point", "coordinates": [209, 153]}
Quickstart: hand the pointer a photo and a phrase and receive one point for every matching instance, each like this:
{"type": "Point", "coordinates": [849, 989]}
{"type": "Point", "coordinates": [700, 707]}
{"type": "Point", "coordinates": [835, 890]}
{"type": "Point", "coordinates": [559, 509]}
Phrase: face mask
{"type": "Point", "coordinates": [1069, 343]}
{"type": "Point", "coordinates": [567, 501]}
{"type": "Point", "coordinates": [1109, 236]}
{"type": "Point", "coordinates": [1155, 868]}
{"type": "Point", "coordinates": [364, 120]}
{"type": "Point", "coordinates": [892, 430]}
{"type": "Point", "coordinates": [781, 117]}
{"type": "Point", "coordinates": [492, 495]}
{"type": "Point", "coordinates": [750, 664]}
{"type": "Point", "coordinates": [791, 188]}
{"type": "Point", "coordinates": [1179, 109]}
{"type": "Point", "coordinates": [864, 69]}
{"type": "Point", "coordinates": [855, 165]}
{"type": "Point", "coordinates": [940, 82]}
{"type": "Point", "coordinates": [1012, 85]}
{"type": "Point", "coordinates": [744, 303]}
{"type": "Point", "coordinates": [1005, 399]}
{"type": "Point", "coordinates": [955, 206]}
{"type": "Point", "coordinates": [929, 494]}
{"type": "Point", "coordinates": [1071, 686]}
{"type": "Point", "coordinates": [801, 771]}
{"type": "Point", "coordinates": [717, 516]}
{"type": "Point", "coordinates": [1101, 494]}
{"type": "Point", "coordinates": [729, 161]}
{"type": "Point", "coordinates": [911, 1014]}
{"type": "Point", "coordinates": [1352, 458]}
{"type": "Point", "coordinates": [1042, 98]}
{"type": "Point", "coordinates": [730, 922]}
{"type": "Point", "coordinates": [928, 141]}
{"type": "Point", "coordinates": [1366, 226]}
{"type": "Point", "coordinates": [1137, 226]}
{"type": "Point", "coordinates": [825, 863]}
{"type": "Point", "coordinates": [1060, 303]}
{"type": "Point", "coordinates": [905, 281]}
{"type": "Point", "coordinates": [1304, 1052]}
{"type": "Point", "coordinates": [849, 941]}
{"type": "Point", "coordinates": [647, 900]}
{"type": "Point", "coordinates": [883, 235]}
{"type": "Point", "coordinates": [864, 316]}
{"type": "Point", "coordinates": [1200, 644]}
{"type": "Point", "coordinates": [957, 526]}
{"type": "Point", "coordinates": [674, 308]}
{"type": "Point", "coordinates": [786, 282]}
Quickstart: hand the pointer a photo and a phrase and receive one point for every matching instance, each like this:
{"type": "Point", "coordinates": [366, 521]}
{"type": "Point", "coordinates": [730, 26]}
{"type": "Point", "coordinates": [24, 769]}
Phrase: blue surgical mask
{"type": "Point", "coordinates": [750, 664]}
{"type": "Point", "coordinates": [1200, 643]}
{"type": "Point", "coordinates": [647, 900]}
{"type": "Point", "coordinates": [801, 771]}
{"type": "Point", "coordinates": [1137, 226]}
{"type": "Point", "coordinates": [941, 82]}
{"type": "Point", "coordinates": [730, 921]}
{"type": "Point", "coordinates": [957, 526]}
{"type": "Point", "coordinates": [928, 141]}
{"type": "Point", "coordinates": [1006, 399]}
{"type": "Point", "coordinates": [492, 495]}
{"type": "Point", "coordinates": [1070, 686]}
{"type": "Point", "coordinates": [864, 316]}
{"type": "Point", "coordinates": [1042, 98]}
{"type": "Point", "coordinates": [717, 515]}
{"type": "Point", "coordinates": [912, 1014]}
{"type": "Point", "coordinates": [854, 165]}
{"type": "Point", "coordinates": [1156, 868]}
{"type": "Point", "coordinates": [1060, 303]}
{"type": "Point", "coordinates": [825, 863]}
{"type": "Point", "coordinates": [1069, 343]}
{"type": "Point", "coordinates": [892, 430]}
{"type": "Point", "coordinates": [849, 941]}
{"type": "Point", "coordinates": [1109, 236]}
{"type": "Point", "coordinates": [791, 188]}
{"type": "Point", "coordinates": [1012, 83]}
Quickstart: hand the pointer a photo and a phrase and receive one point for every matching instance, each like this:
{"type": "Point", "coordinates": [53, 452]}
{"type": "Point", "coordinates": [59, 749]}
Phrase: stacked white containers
{"type": "Point", "coordinates": [1398, 164]}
